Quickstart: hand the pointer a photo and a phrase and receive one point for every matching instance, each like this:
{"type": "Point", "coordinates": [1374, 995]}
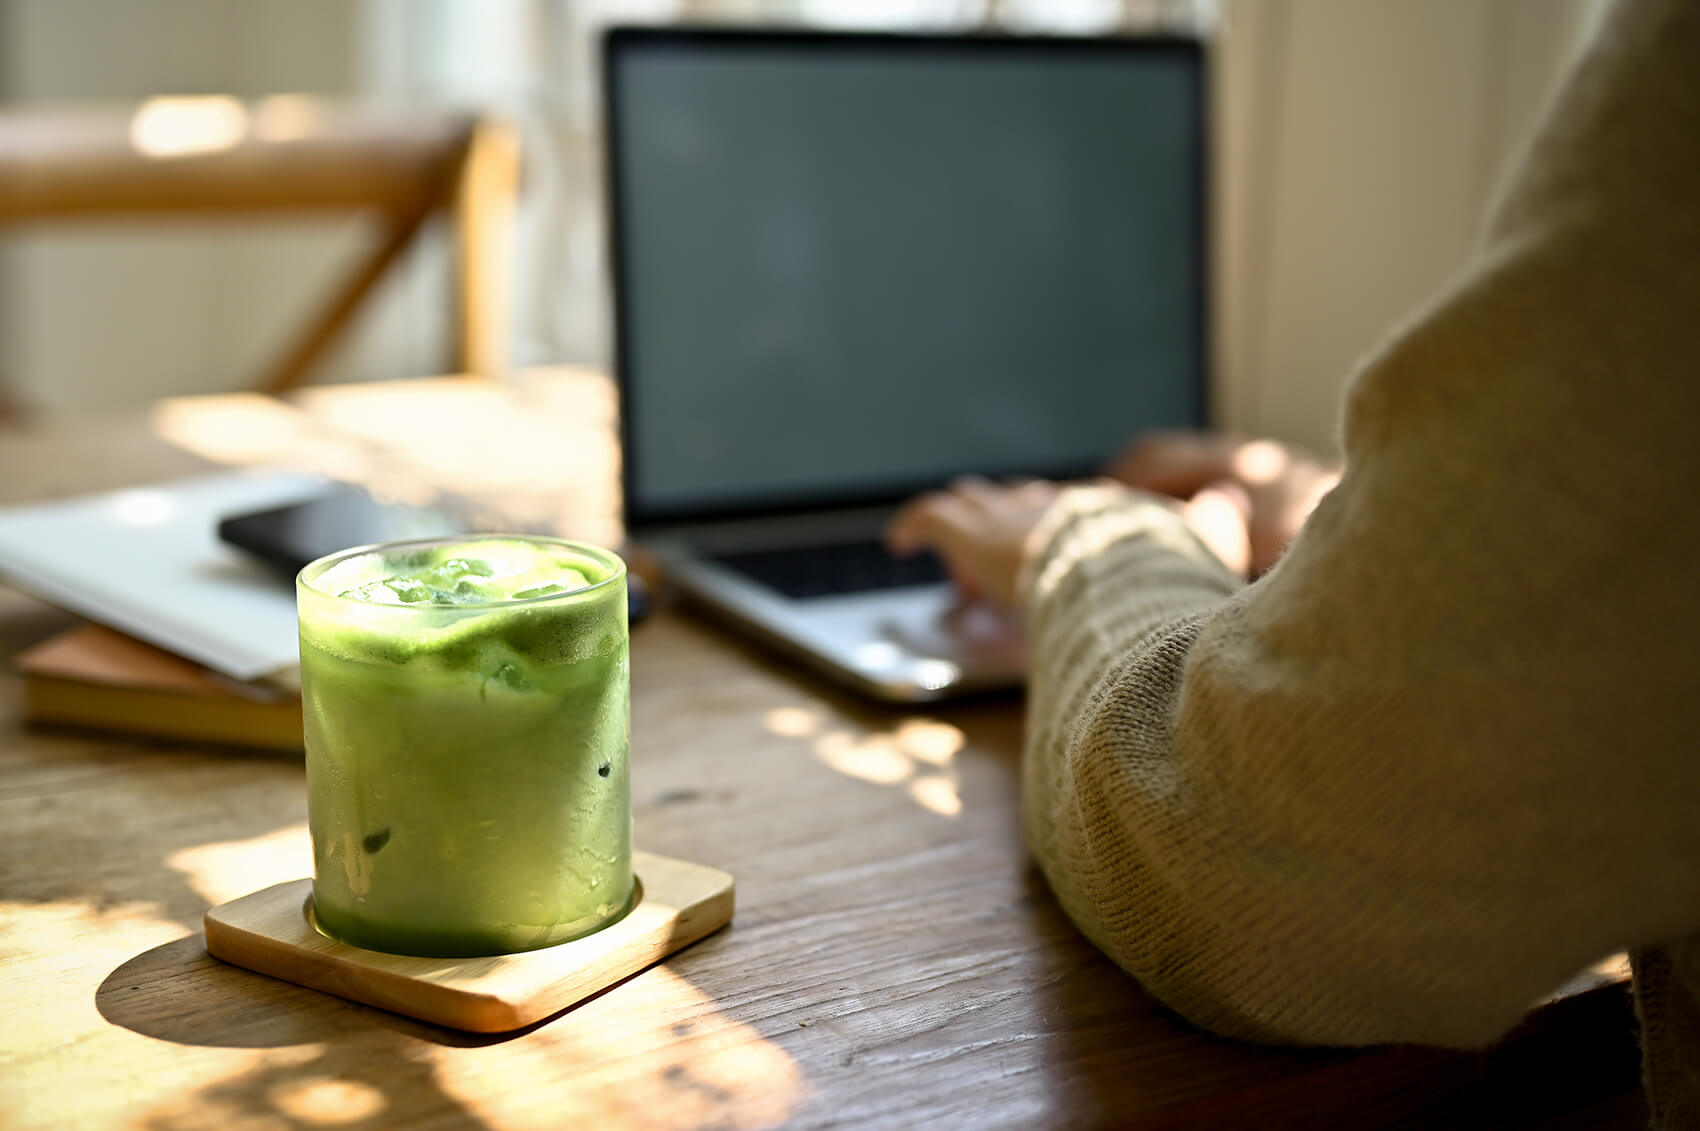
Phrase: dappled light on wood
{"type": "Point", "coordinates": [874, 758]}
{"type": "Point", "coordinates": [536, 454]}
{"type": "Point", "coordinates": [630, 1067]}
{"type": "Point", "coordinates": [936, 794]}
{"type": "Point", "coordinates": [793, 722]}
{"type": "Point", "coordinates": [226, 870]}
{"type": "Point", "coordinates": [319, 1101]}
{"type": "Point", "coordinates": [916, 754]}
{"type": "Point", "coordinates": [653, 1052]}
{"type": "Point", "coordinates": [250, 430]}
{"type": "Point", "coordinates": [33, 939]}
{"type": "Point", "coordinates": [665, 1057]}
{"type": "Point", "coordinates": [187, 125]}
{"type": "Point", "coordinates": [183, 126]}
{"type": "Point", "coordinates": [929, 740]}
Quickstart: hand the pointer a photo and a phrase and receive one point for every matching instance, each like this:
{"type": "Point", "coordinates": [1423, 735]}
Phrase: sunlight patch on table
{"type": "Point", "coordinates": [936, 794]}
{"type": "Point", "coordinates": [653, 1052]}
{"type": "Point", "coordinates": [929, 740]}
{"type": "Point", "coordinates": [311, 1085]}
{"type": "Point", "coordinates": [872, 758]}
{"type": "Point", "coordinates": [226, 870]}
{"type": "Point", "coordinates": [916, 754]}
{"type": "Point", "coordinates": [321, 1101]}
{"type": "Point", "coordinates": [42, 1006]}
{"type": "Point", "coordinates": [535, 453]}
{"type": "Point", "coordinates": [793, 722]}
{"type": "Point", "coordinates": [536, 457]}
{"type": "Point", "coordinates": [250, 430]}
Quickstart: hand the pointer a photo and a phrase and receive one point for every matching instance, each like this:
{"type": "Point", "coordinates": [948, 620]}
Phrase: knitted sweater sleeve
{"type": "Point", "coordinates": [1444, 754]}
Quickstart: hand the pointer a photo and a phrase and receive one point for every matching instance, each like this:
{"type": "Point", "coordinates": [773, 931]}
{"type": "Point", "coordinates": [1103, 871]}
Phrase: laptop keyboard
{"type": "Point", "coordinates": [822, 571]}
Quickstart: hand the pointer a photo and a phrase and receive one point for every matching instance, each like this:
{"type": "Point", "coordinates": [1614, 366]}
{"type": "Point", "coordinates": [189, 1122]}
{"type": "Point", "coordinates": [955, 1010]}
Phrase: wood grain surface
{"type": "Point", "coordinates": [895, 961]}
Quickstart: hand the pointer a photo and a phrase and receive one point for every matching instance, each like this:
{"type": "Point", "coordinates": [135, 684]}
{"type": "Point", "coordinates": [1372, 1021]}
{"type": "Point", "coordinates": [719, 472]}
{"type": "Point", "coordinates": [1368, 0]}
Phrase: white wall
{"type": "Point", "coordinates": [1360, 143]}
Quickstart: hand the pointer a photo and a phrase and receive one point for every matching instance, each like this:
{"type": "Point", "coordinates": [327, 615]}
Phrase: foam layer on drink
{"type": "Point", "coordinates": [482, 572]}
{"type": "Point", "coordinates": [473, 606]}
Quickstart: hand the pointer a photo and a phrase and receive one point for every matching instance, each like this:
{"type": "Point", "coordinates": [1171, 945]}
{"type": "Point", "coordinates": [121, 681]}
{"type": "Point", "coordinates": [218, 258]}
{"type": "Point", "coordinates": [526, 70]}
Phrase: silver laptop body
{"type": "Point", "coordinates": [849, 267]}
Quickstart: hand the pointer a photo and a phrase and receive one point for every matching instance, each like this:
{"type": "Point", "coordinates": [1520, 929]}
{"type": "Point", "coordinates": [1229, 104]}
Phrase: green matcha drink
{"type": "Point", "coordinates": [467, 721]}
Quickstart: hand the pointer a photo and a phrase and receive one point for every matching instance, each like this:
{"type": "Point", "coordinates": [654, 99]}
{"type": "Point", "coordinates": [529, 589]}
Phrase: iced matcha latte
{"type": "Point", "coordinates": [466, 711]}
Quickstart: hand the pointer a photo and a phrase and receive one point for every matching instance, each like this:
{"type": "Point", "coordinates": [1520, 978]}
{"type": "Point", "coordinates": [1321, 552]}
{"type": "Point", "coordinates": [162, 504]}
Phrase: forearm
{"type": "Point", "coordinates": [1118, 582]}
{"type": "Point", "coordinates": [1296, 815]}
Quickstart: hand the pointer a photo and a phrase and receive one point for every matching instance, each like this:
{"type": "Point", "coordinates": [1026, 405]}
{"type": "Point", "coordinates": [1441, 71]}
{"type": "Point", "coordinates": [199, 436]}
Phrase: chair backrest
{"type": "Point", "coordinates": [208, 156]}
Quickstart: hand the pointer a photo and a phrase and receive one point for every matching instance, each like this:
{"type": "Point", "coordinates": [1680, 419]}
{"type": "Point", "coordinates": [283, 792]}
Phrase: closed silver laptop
{"type": "Point", "coordinates": [850, 267]}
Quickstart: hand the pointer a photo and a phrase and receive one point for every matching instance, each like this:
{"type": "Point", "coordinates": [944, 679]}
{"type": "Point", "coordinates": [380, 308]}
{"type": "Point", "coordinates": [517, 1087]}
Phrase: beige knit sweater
{"type": "Point", "coordinates": [1447, 752]}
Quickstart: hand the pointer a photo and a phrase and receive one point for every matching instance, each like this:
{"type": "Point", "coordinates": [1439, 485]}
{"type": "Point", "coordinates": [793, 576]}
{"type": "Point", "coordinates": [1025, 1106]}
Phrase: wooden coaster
{"type": "Point", "coordinates": [270, 932]}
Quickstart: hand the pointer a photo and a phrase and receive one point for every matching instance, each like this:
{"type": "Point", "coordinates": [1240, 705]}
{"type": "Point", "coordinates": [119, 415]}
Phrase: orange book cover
{"type": "Point", "coordinates": [91, 676]}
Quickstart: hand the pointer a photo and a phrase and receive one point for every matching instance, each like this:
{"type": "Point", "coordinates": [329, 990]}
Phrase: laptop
{"type": "Point", "coordinates": [850, 267]}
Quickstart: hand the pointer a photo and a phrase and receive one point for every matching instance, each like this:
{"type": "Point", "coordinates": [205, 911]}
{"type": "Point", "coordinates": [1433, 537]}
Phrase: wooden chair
{"type": "Point", "coordinates": [204, 157]}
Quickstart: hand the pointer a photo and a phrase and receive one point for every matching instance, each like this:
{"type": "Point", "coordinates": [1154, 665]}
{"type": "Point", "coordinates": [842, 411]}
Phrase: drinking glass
{"type": "Point", "coordinates": [467, 720]}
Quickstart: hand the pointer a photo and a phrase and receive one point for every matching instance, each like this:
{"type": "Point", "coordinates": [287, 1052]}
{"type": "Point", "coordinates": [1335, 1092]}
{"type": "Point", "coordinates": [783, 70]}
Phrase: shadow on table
{"type": "Point", "coordinates": [648, 1051]}
{"type": "Point", "coordinates": [356, 1067]}
{"type": "Point", "coordinates": [1123, 1058]}
{"type": "Point", "coordinates": [1574, 1055]}
{"type": "Point", "coordinates": [104, 822]}
{"type": "Point", "coordinates": [178, 992]}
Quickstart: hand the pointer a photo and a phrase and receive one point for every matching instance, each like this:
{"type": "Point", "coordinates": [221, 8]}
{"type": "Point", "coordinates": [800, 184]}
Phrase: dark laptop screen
{"type": "Point", "coordinates": [850, 266]}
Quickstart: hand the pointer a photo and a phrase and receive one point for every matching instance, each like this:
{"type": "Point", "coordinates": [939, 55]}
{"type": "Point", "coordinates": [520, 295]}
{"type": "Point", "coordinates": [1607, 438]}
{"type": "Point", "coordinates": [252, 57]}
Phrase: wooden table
{"type": "Point", "coordinates": [894, 960]}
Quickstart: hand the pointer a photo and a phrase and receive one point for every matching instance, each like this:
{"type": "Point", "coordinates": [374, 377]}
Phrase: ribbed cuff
{"type": "Point", "coordinates": [1084, 522]}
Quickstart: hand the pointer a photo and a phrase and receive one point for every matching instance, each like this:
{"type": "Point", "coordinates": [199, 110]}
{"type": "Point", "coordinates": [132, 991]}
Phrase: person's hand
{"type": "Point", "coordinates": [980, 531]}
{"type": "Point", "coordinates": [984, 532]}
{"type": "Point", "coordinates": [1274, 487]}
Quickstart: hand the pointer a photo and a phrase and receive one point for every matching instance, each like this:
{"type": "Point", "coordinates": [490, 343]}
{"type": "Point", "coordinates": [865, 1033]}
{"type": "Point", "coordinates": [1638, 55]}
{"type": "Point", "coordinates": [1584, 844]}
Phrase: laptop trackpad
{"type": "Point", "coordinates": [976, 635]}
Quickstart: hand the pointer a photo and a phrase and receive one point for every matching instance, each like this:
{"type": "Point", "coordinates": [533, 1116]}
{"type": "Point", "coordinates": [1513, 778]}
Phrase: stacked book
{"type": "Point", "coordinates": [186, 637]}
{"type": "Point", "coordinates": [93, 677]}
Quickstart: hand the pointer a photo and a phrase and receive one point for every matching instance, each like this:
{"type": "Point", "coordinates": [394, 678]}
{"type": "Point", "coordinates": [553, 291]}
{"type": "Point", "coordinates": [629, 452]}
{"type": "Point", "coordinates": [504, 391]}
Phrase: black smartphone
{"type": "Point", "coordinates": [288, 537]}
